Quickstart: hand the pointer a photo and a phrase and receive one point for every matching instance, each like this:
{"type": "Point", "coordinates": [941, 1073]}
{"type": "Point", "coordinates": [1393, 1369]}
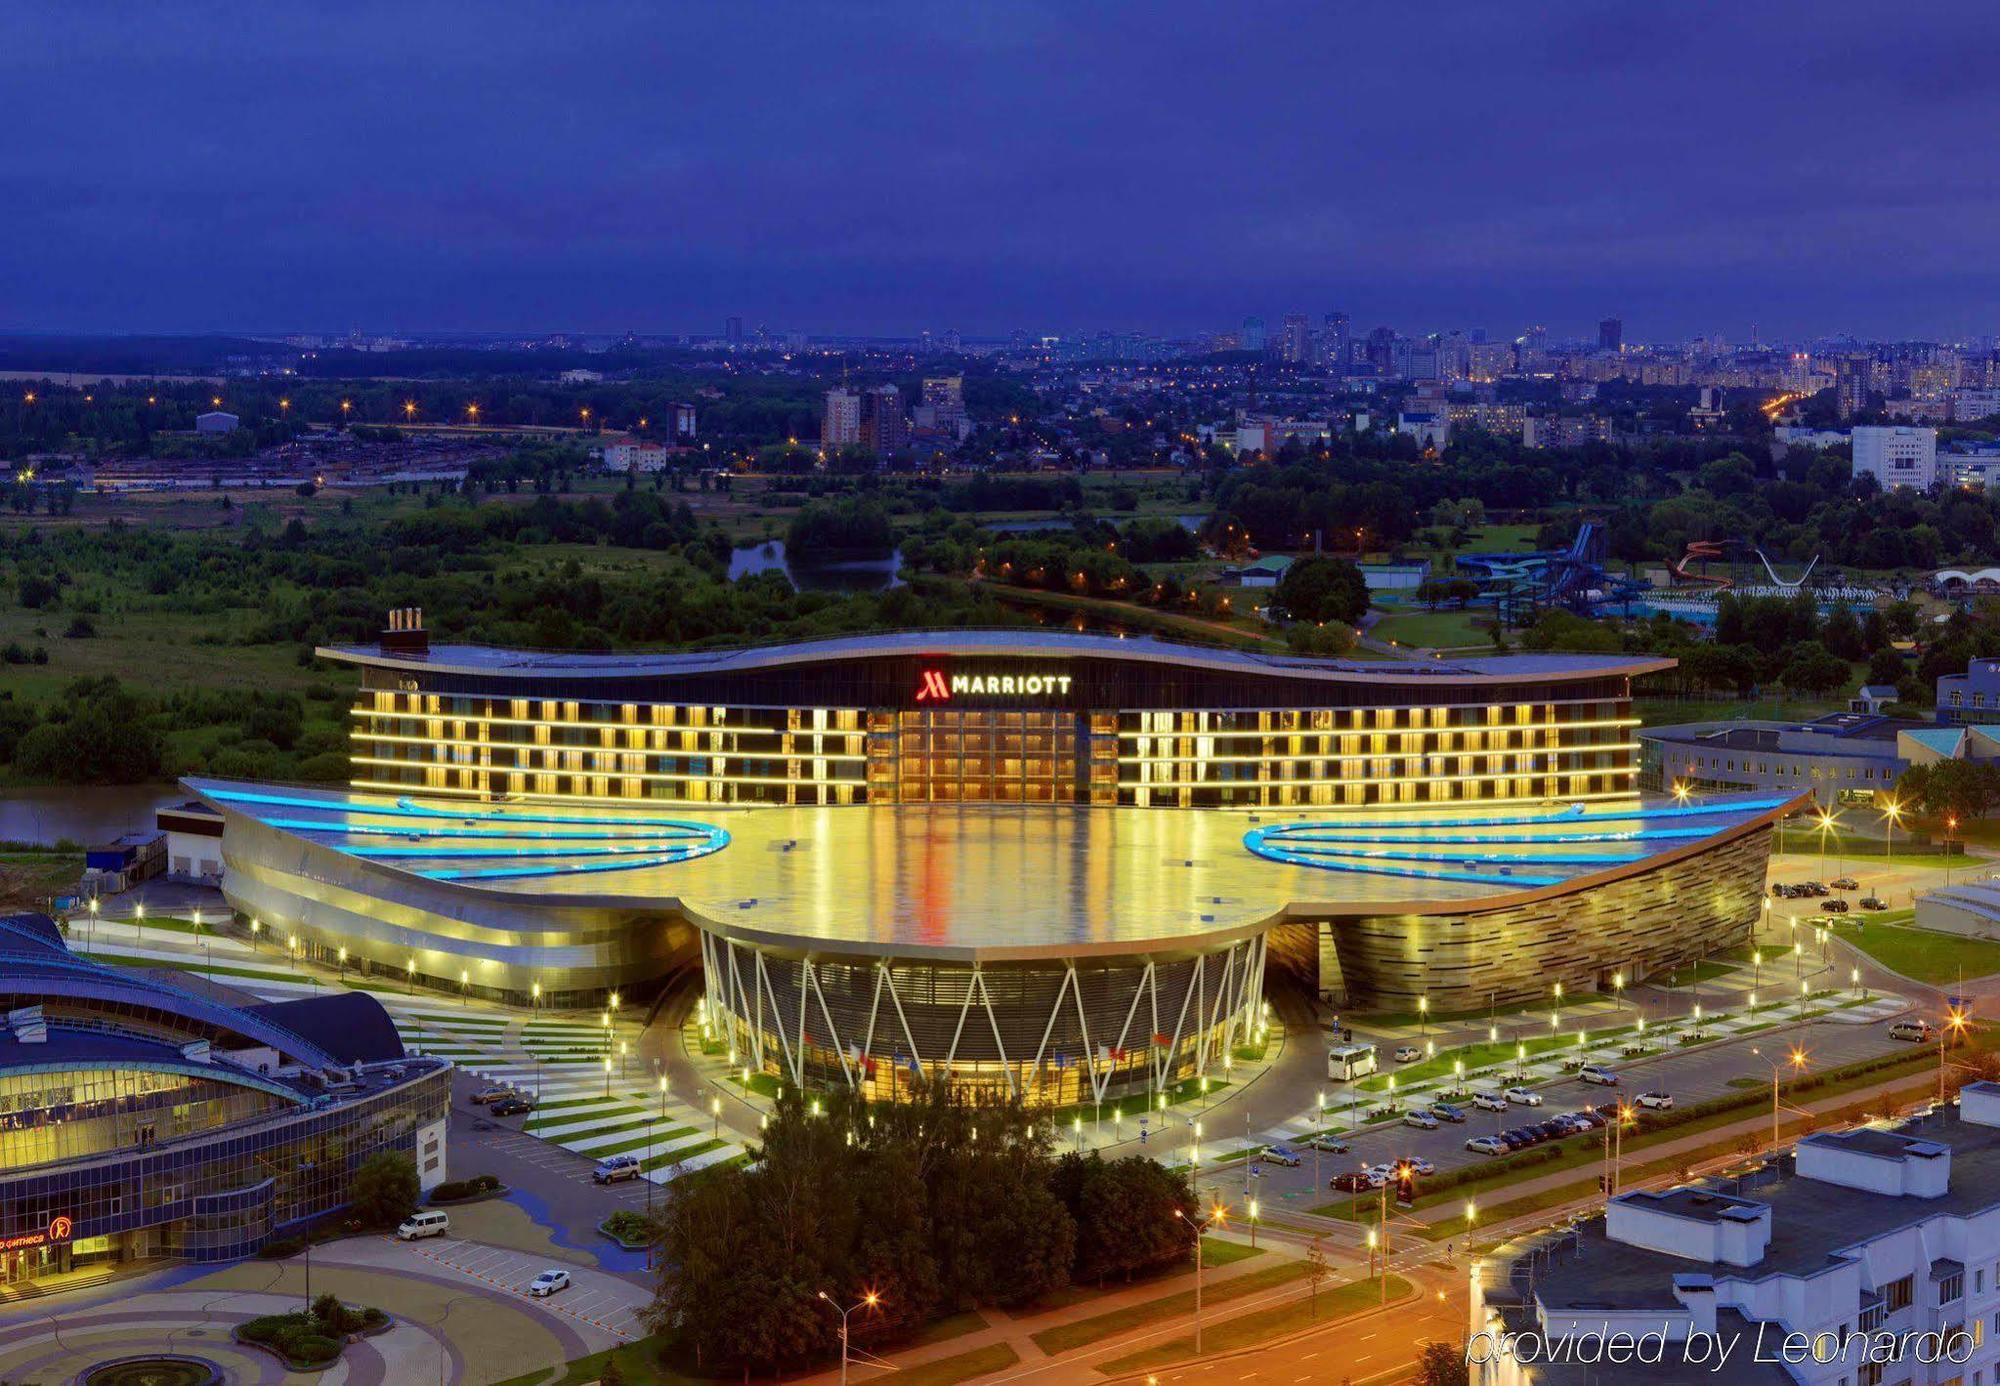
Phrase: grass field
{"type": "Point", "coordinates": [1669, 712]}
{"type": "Point", "coordinates": [1433, 629]}
{"type": "Point", "coordinates": [1923, 955]}
{"type": "Point", "coordinates": [1083, 1332]}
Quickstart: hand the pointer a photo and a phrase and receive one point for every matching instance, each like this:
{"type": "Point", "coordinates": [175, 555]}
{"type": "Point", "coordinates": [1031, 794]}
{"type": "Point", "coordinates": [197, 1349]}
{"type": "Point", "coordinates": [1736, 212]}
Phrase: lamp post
{"type": "Point", "coordinates": [1892, 814]}
{"type": "Point", "coordinates": [1424, 1016]}
{"type": "Point", "coordinates": [1197, 1229]}
{"type": "Point", "coordinates": [256, 928]}
{"type": "Point", "coordinates": [663, 1097]}
{"type": "Point", "coordinates": [342, 976]}
{"type": "Point", "coordinates": [1954, 1025]}
{"type": "Point", "coordinates": [93, 922]}
{"type": "Point", "coordinates": [869, 1300]}
{"type": "Point", "coordinates": [292, 950]}
{"type": "Point", "coordinates": [139, 919]}
{"type": "Point", "coordinates": [464, 988]}
{"type": "Point", "coordinates": [1796, 1061]}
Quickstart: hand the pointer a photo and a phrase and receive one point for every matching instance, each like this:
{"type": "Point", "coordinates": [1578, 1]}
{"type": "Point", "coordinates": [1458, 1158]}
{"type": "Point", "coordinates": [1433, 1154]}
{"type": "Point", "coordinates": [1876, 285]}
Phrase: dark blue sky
{"type": "Point", "coordinates": [1810, 167]}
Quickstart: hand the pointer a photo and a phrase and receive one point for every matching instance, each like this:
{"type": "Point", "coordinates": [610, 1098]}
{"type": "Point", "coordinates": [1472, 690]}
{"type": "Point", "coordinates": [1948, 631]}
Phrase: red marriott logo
{"type": "Point", "coordinates": [933, 687]}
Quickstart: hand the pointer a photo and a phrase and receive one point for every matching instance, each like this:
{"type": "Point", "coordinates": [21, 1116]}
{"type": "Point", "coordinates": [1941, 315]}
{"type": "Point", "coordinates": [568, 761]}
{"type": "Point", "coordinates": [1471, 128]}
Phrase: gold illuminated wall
{"type": "Point", "coordinates": [549, 748]}
{"type": "Point", "coordinates": [1355, 757]}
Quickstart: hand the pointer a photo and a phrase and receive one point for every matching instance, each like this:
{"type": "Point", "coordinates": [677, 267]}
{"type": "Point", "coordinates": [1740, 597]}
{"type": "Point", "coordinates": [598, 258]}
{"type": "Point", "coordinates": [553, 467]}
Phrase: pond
{"type": "Point", "coordinates": [858, 575]}
{"type": "Point", "coordinates": [84, 814]}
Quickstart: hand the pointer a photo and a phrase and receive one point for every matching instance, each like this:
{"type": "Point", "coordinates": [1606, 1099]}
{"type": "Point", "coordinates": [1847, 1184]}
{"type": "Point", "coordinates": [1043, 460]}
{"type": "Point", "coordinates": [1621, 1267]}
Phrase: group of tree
{"type": "Point", "coordinates": [1961, 789]}
{"type": "Point", "coordinates": [934, 1207]}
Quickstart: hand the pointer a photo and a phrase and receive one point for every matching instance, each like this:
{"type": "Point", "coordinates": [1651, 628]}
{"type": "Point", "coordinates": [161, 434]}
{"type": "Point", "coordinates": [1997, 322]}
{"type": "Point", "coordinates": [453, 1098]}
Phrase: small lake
{"type": "Point", "coordinates": [864, 575]}
{"type": "Point", "coordinates": [86, 815]}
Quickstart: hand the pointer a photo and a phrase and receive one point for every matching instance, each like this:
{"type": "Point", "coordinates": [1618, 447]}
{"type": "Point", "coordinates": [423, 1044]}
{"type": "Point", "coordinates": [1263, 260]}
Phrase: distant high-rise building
{"type": "Point", "coordinates": [732, 332]}
{"type": "Point", "coordinates": [1295, 339]}
{"type": "Point", "coordinates": [1254, 338]}
{"type": "Point", "coordinates": [1611, 335]}
{"type": "Point", "coordinates": [946, 395]}
{"type": "Point", "coordinates": [840, 426]}
{"type": "Point", "coordinates": [681, 417]}
{"type": "Point", "coordinates": [1896, 456]}
{"type": "Point", "coordinates": [1851, 386]}
{"type": "Point", "coordinates": [1336, 341]}
{"type": "Point", "coordinates": [884, 426]}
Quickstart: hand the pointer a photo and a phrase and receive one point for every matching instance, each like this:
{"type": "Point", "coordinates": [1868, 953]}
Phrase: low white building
{"type": "Point", "coordinates": [215, 421]}
{"type": "Point", "coordinates": [634, 455]}
{"type": "Point", "coordinates": [1896, 455]}
{"type": "Point", "coordinates": [1811, 1270]}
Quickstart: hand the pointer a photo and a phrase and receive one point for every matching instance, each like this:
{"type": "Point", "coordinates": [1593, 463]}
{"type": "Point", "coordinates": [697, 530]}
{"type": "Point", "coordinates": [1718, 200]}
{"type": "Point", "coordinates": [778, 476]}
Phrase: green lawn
{"type": "Point", "coordinates": [1082, 1332]}
{"type": "Point", "coordinates": [964, 1366]}
{"type": "Point", "coordinates": [1482, 1053]}
{"type": "Point", "coordinates": [1216, 1252]}
{"type": "Point", "coordinates": [1666, 712]}
{"type": "Point", "coordinates": [1432, 629]}
{"type": "Point", "coordinates": [1924, 955]}
{"type": "Point", "coordinates": [1244, 1330]}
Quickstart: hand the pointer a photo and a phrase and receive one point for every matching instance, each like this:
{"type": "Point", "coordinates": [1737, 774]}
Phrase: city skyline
{"type": "Point", "coordinates": [1806, 171]}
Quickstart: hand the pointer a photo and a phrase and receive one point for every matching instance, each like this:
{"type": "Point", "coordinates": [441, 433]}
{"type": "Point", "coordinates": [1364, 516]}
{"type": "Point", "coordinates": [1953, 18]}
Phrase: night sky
{"type": "Point", "coordinates": [850, 167]}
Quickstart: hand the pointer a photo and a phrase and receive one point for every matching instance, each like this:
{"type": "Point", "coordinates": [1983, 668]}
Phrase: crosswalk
{"type": "Point", "coordinates": [559, 1061]}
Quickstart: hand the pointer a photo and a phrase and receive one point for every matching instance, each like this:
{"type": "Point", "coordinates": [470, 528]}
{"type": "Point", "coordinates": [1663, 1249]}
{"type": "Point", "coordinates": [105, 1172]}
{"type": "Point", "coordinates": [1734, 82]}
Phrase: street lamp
{"type": "Point", "coordinates": [607, 1075]}
{"type": "Point", "coordinates": [1197, 1229]}
{"type": "Point", "coordinates": [1796, 1061]}
{"type": "Point", "coordinates": [343, 964]}
{"type": "Point", "coordinates": [256, 928]}
{"type": "Point", "coordinates": [663, 1097]}
{"type": "Point", "coordinates": [869, 1300]}
{"type": "Point", "coordinates": [93, 921]}
{"type": "Point", "coordinates": [464, 987]}
{"type": "Point", "coordinates": [139, 917]}
{"type": "Point", "coordinates": [1893, 813]}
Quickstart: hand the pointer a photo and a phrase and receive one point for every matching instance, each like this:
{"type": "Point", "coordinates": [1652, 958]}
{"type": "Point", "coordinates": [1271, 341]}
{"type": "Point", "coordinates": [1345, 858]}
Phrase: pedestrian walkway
{"type": "Point", "coordinates": [592, 1093]}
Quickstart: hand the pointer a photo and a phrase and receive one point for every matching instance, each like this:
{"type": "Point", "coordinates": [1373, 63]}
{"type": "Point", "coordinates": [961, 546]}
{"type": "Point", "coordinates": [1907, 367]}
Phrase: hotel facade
{"type": "Point", "coordinates": [1058, 864]}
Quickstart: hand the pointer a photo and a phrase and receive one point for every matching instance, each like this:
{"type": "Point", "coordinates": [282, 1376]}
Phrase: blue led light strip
{"type": "Point", "coordinates": [1551, 817]}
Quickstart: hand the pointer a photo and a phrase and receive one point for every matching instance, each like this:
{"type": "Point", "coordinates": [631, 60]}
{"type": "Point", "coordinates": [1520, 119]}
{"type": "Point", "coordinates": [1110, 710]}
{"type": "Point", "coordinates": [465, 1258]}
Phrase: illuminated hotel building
{"type": "Point", "coordinates": [1022, 858]}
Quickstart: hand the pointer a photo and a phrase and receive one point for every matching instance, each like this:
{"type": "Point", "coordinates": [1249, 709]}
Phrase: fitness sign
{"type": "Point", "coordinates": [60, 1229]}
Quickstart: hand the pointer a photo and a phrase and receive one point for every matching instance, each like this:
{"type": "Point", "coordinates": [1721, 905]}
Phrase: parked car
{"type": "Point", "coordinates": [431, 1222]}
{"type": "Point", "coordinates": [1812, 888]}
{"type": "Point", "coordinates": [486, 1095]}
{"type": "Point", "coordinates": [1489, 1102]}
{"type": "Point", "coordinates": [1658, 1101]}
{"type": "Point", "coordinates": [1598, 1074]}
{"type": "Point", "coordinates": [1551, 1129]}
{"type": "Point", "coordinates": [1836, 907]}
{"type": "Point", "coordinates": [1352, 1181]}
{"type": "Point", "coordinates": [615, 1168]}
{"type": "Point", "coordinates": [1874, 902]}
{"type": "Point", "coordinates": [548, 1282]}
{"type": "Point", "coordinates": [1487, 1145]}
{"type": "Point", "coordinates": [1332, 1145]}
{"type": "Point", "coordinates": [1408, 1053]}
{"type": "Point", "coordinates": [511, 1105]}
{"type": "Point", "coordinates": [1282, 1155]}
{"type": "Point", "coordinates": [1423, 1121]}
{"type": "Point", "coordinates": [1419, 1164]}
{"type": "Point", "coordinates": [1444, 1111]}
{"type": "Point", "coordinates": [1519, 1137]}
{"type": "Point", "coordinates": [1846, 883]}
{"type": "Point", "coordinates": [1523, 1097]}
{"type": "Point", "coordinates": [1916, 1029]}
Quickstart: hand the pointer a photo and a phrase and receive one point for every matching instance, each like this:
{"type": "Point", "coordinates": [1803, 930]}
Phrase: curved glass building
{"type": "Point", "coordinates": [1052, 864]}
{"type": "Point", "coordinates": [139, 1120]}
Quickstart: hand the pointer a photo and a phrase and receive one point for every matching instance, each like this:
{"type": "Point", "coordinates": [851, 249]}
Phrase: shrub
{"type": "Point", "coordinates": [453, 1189]}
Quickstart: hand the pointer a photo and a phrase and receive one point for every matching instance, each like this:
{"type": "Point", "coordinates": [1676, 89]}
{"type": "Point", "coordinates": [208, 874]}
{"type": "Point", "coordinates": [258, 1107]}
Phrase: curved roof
{"type": "Point", "coordinates": [352, 1025]}
{"type": "Point", "coordinates": [35, 965]}
{"type": "Point", "coordinates": [1022, 644]}
{"type": "Point", "coordinates": [1025, 882]}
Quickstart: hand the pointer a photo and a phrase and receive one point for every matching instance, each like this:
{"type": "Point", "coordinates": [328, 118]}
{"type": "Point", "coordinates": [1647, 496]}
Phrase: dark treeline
{"type": "Point", "coordinates": [934, 1207]}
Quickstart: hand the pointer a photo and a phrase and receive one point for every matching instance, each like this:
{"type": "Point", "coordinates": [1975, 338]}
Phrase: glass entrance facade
{"type": "Point", "coordinates": [987, 755]}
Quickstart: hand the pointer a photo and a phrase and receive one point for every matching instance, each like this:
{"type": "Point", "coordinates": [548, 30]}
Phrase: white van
{"type": "Point", "coordinates": [431, 1222]}
{"type": "Point", "coordinates": [1918, 1030]}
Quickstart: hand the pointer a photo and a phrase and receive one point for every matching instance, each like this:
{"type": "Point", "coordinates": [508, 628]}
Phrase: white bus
{"type": "Point", "coordinates": [1347, 1062]}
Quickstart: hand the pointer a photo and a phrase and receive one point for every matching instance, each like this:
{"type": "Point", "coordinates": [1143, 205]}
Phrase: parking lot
{"type": "Point", "coordinates": [597, 1298]}
{"type": "Point", "coordinates": [1713, 1071]}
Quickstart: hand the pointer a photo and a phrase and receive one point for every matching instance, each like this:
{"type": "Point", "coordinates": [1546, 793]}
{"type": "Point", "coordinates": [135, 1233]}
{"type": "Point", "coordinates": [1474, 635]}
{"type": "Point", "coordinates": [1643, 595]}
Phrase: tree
{"type": "Point", "coordinates": [1317, 1272]}
{"type": "Point", "coordinates": [1320, 587]}
{"type": "Point", "coordinates": [385, 1188]}
{"type": "Point", "coordinates": [1441, 1364]}
{"type": "Point", "coordinates": [1814, 669]}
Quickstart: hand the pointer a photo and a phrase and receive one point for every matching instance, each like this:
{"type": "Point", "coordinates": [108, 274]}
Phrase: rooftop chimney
{"type": "Point", "coordinates": [405, 633]}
